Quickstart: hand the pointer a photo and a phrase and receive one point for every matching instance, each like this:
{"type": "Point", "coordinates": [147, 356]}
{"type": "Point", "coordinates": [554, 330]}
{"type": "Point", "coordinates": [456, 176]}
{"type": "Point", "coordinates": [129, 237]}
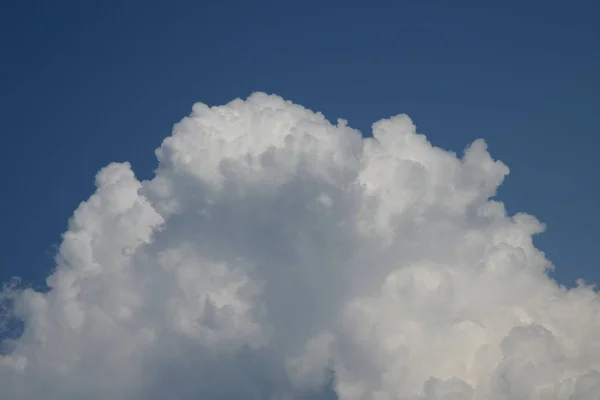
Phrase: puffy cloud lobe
{"type": "Point", "coordinates": [274, 252]}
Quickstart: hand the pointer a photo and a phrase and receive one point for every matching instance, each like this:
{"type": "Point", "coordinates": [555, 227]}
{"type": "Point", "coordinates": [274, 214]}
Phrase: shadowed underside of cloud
{"type": "Point", "coordinates": [275, 254]}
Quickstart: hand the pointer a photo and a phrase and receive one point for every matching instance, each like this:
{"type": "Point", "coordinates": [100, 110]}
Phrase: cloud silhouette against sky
{"type": "Point", "coordinates": [274, 253]}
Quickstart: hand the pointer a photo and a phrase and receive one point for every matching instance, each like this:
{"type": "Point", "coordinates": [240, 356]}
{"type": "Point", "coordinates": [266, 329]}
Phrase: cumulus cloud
{"type": "Point", "coordinates": [275, 254]}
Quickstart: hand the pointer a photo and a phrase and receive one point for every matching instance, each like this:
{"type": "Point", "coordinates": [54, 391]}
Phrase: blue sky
{"type": "Point", "coordinates": [85, 83]}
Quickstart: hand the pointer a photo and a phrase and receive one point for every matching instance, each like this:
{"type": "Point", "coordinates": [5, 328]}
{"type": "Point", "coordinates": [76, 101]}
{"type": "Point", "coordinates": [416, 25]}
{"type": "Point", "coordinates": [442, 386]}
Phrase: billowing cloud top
{"type": "Point", "coordinates": [274, 253]}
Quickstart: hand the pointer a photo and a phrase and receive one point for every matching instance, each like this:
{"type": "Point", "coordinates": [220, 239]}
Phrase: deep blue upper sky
{"type": "Point", "coordinates": [84, 83]}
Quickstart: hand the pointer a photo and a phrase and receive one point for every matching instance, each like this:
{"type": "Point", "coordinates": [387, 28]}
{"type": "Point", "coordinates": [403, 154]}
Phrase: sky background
{"type": "Point", "coordinates": [85, 83]}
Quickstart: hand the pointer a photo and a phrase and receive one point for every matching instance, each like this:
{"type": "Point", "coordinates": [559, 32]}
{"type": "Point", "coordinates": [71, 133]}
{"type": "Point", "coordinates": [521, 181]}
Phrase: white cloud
{"type": "Point", "coordinates": [273, 250]}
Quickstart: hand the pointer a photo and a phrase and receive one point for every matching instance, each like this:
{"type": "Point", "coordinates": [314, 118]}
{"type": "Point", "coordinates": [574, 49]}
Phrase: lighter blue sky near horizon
{"type": "Point", "coordinates": [85, 83]}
